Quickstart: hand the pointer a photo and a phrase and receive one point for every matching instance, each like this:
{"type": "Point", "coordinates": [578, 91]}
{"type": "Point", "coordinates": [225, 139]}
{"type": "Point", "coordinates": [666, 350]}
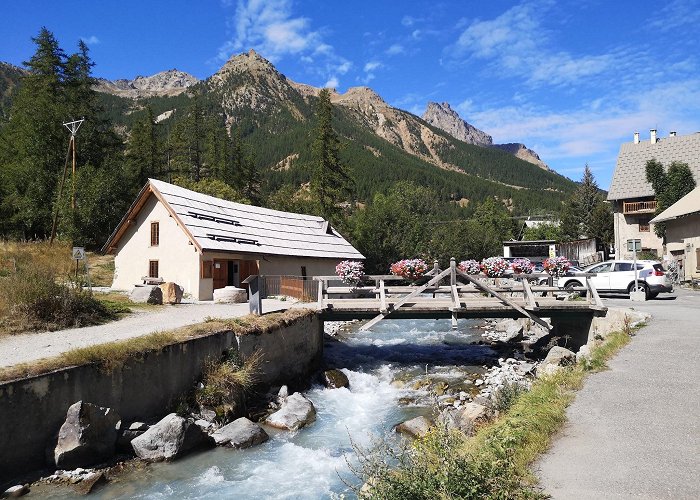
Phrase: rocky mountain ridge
{"type": "Point", "coordinates": [445, 118]}
{"type": "Point", "coordinates": [166, 83]}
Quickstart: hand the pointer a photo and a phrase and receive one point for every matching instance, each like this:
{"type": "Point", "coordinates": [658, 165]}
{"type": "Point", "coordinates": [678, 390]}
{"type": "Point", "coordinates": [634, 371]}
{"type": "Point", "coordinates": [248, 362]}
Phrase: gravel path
{"type": "Point", "coordinates": [15, 349]}
{"type": "Point", "coordinates": [634, 430]}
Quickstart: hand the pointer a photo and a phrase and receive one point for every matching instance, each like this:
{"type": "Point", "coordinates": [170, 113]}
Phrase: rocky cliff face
{"type": "Point", "coordinates": [165, 83]}
{"type": "Point", "coordinates": [445, 118]}
{"type": "Point", "coordinates": [522, 152]}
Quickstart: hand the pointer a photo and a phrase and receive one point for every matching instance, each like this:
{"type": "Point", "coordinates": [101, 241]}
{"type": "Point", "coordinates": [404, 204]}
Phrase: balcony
{"type": "Point", "coordinates": [639, 207]}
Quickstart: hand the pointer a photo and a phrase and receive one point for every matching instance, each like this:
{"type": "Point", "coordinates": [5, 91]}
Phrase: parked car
{"type": "Point", "coordinates": [617, 276]}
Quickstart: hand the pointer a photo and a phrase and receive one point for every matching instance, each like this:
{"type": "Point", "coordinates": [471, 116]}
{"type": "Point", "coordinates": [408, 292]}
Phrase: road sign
{"type": "Point", "coordinates": [634, 245]}
{"type": "Point", "coordinates": [79, 253]}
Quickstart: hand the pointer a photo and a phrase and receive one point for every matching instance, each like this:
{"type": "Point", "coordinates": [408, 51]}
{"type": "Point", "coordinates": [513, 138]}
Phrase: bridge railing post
{"type": "Point", "coordinates": [453, 272]}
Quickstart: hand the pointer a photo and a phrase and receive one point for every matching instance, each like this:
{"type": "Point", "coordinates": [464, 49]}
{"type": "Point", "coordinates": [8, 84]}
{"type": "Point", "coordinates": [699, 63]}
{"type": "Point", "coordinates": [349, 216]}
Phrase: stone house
{"type": "Point", "coordinates": [632, 196]}
{"type": "Point", "coordinates": [683, 233]}
{"type": "Point", "coordinates": [204, 243]}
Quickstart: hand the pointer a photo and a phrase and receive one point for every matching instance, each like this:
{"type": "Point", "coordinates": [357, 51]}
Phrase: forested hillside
{"type": "Point", "coordinates": [246, 133]}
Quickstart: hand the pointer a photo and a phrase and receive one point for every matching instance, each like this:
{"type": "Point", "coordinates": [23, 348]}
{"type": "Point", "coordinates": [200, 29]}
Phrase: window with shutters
{"type": "Point", "coordinates": [155, 234]}
{"type": "Point", "coordinates": [644, 228]}
{"type": "Point", "coordinates": [152, 268]}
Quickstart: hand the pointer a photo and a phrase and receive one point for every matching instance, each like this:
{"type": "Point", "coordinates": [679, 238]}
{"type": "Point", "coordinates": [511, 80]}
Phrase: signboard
{"type": "Point", "coordinates": [634, 245]}
{"type": "Point", "coordinates": [79, 253]}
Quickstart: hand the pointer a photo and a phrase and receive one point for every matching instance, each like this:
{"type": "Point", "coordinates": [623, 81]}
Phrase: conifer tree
{"type": "Point", "coordinates": [583, 216]}
{"type": "Point", "coordinates": [330, 181]}
{"type": "Point", "coordinates": [144, 150]}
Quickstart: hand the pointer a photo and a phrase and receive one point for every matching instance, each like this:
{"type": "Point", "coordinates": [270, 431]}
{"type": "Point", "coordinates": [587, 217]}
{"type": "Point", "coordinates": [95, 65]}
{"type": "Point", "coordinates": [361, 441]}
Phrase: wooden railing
{"type": "Point", "coordinates": [447, 282]}
{"type": "Point", "coordinates": [298, 287]}
{"type": "Point", "coordinates": [638, 207]}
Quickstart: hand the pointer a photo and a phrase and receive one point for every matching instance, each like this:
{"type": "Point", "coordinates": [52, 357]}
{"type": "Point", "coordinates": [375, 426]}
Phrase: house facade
{"type": "Point", "coordinates": [682, 221]}
{"type": "Point", "coordinates": [632, 196]}
{"type": "Point", "coordinates": [204, 243]}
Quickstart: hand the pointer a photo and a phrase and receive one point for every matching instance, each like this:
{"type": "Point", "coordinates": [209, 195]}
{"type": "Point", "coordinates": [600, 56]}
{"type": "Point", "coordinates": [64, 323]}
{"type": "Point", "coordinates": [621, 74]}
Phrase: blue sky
{"type": "Point", "coordinates": [570, 79]}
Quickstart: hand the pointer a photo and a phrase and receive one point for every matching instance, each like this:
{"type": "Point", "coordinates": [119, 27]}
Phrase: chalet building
{"type": "Point", "coordinates": [682, 221]}
{"type": "Point", "coordinates": [633, 197]}
{"type": "Point", "coordinates": [204, 243]}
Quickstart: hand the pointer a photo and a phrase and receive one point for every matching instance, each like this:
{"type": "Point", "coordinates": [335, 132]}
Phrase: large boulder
{"type": "Point", "coordinates": [334, 379]}
{"type": "Point", "coordinates": [172, 292]}
{"type": "Point", "coordinates": [170, 438]}
{"type": "Point", "coordinates": [88, 436]}
{"type": "Point", "coordinates": [146, 294]}
{"type": "Point", "coordinates": [241, 433]}
{"type": "Point", "coordinates": [295, 413]}
{"type": "Point", "coordinates": [416, 427]}
{"type": "Point", "coordinates": [557, 358]}
{"type": "Point", "coordinates": [133, 430]}
{"type": "Point", "coordinates": [230, 295]}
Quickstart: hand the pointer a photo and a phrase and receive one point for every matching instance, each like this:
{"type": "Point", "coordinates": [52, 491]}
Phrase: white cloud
{"type": "Point", "coordinates": [395, 49]}
{"type": "Point", "coordinates": [344, 67]}
{"type": "Point", "coordinates": [676, 15]}
{"type": "Point", "coordinates": [371, 66]}
{"type": "Point", "coordinates": [332, 83]}
{"type": "Point", "coordinates": [90, 40]}
{"type": "Point", "coordinates": [515, 43]}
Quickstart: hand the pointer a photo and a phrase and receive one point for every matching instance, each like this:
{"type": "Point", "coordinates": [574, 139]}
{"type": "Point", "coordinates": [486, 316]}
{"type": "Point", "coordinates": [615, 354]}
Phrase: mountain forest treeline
{"type": "Point", "coordinates": [316, 159]}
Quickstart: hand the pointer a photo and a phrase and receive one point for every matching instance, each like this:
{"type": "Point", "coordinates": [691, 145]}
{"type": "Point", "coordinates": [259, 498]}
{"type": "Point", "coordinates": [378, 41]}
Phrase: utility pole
{"type": "Point", "coordinates": [73, 127]}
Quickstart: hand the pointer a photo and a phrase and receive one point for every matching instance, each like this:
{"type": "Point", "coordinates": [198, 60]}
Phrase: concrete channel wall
{"type": "Point", "coordinates": [33, 409]}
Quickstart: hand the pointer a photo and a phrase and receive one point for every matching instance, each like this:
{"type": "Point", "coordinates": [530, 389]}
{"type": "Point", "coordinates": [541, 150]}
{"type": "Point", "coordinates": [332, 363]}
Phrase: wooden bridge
{"type": "Point", "coordinates": [465, 296]}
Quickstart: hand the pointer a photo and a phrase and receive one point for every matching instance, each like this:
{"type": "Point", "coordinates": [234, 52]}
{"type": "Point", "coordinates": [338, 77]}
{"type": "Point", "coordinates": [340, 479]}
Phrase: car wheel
{"type": "Point", "coordinates": [641, 287]}
{"type": "Point", "coordinates": [570, 285]}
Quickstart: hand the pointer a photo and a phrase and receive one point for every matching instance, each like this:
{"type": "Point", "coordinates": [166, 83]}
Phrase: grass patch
{"type": "Point", "coordinates": [494, 464]}
{"type": "Point", "coordinates": [225, 382]}
{"type": "Point", "coordinates": [114, 354]}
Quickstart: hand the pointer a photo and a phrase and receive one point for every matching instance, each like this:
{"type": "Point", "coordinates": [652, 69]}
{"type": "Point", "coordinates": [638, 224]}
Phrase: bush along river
{"type": "Point", "coordinates": [400, 370]}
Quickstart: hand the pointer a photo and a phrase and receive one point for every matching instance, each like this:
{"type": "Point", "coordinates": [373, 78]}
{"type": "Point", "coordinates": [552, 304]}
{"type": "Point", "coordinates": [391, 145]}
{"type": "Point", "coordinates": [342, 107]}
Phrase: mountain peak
{"type": "Point", "coordinates": [166, 83]}
{"type": "Point", "coordinates": [445, 118]}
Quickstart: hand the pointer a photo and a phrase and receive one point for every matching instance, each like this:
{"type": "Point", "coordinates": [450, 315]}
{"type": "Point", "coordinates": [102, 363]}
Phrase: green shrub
{"type": "Point", "coordinates": [507, 395]}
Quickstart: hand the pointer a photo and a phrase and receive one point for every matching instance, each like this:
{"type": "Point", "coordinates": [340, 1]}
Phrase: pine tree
{"type": "Point", "coordinates": [582, 216]}
{"type": "Point", "coordinates": [143, 155]}
{"type": "Point", "coordinates": [34, 142]}
{"type": "Point", "coordinates": [330, 181]}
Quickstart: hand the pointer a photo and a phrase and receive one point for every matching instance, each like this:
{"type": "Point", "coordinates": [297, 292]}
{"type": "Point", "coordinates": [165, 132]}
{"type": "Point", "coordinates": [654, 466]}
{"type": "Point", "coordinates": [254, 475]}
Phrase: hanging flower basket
{"type": "Point", "coordinates": [522, 266]}
{"type": "Point", "coordinates": [494, 267]}
{"type": "Point", "coordinates": [350, 272]}
{"type": "Point", "coordinates": [410, 269]}
{"type": "Point", "coordinates": [471, 267]}
{"type": "Point", "coordinates": [556, 266]}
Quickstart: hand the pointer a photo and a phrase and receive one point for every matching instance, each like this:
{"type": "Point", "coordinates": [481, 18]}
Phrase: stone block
{"type": "Point", "coordinates": [172, 292]}
{"type": "Point", "coordinates": [230, 295]}
{"type": "Point", "coordinates": [146, 294]}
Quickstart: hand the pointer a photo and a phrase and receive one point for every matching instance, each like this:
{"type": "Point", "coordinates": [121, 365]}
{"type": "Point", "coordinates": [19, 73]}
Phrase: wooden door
{"type": "Point", "coordinates": [220, 273]}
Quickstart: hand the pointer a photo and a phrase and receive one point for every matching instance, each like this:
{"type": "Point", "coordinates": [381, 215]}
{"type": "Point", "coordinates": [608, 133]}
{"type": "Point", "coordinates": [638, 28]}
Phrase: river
{"type": "Point", "coordinates": [391, 371]}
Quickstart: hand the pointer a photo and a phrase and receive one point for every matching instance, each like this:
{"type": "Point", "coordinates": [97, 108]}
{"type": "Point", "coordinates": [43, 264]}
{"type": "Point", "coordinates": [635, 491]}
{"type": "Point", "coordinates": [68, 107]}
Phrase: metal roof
{"type": "Point", "coordinates": [630, 180]}
{"type": "Point", "coordinates": [225, 226]}
{"type": "Point", "coordinates": [687, 205]}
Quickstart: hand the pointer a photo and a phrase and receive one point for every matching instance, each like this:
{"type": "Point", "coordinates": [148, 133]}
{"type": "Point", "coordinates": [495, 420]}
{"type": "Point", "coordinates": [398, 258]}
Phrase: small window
{"type": "Point", "coordinates": [623, 266]}
{"type": "Point", "coordinates": [206, 269]}
{"type": "Point", "coordinates": [152, 268]}
{"type": "Point", "coordinates": [603, 268]}
{"type": "Point", "coordinates": [644, 228]}
{"type": "Point", "coordinates": [155, 234]}
{"type": "Point", "coordinates": [303, 272]}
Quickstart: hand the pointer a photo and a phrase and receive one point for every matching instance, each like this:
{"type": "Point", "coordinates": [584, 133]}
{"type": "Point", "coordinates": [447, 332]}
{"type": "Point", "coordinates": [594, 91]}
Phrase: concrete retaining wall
{"type": "Point", "coordinates": [33, 409]}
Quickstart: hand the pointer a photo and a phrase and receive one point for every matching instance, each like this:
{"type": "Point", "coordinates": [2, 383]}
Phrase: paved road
{"type": "Point", "coordinates": [26, 347]}
{"type": "Point", "coordinates": [634, 430]}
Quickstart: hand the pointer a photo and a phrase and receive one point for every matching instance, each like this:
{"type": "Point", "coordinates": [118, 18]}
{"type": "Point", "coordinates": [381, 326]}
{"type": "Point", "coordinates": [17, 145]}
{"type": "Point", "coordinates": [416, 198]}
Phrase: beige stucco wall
{"type": "Point", "coordinates": [684, 235]}
{"type": "Point", "coordinates": [291, 266]}
{"type": "Point", "coordinates": [627, 228]}
{"type": "Point", "coordinates": [178, 261]}
{"type": "Point", "coordinates": [692, 264]}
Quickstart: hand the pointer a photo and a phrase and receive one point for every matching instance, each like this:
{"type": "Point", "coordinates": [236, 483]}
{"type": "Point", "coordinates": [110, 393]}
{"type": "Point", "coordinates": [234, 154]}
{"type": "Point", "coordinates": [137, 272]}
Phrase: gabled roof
{"type": "Point", "coordinates": [630, 180]}
{"type": "Point", "coordinates": [689, 204]}
{"type": "Point", "coordinates": [219, 225]}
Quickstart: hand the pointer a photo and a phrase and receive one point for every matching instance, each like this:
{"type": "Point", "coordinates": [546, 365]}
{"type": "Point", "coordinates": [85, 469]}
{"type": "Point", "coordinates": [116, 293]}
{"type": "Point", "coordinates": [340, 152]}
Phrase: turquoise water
{"type": "Point", "coordinates": [313, 462]}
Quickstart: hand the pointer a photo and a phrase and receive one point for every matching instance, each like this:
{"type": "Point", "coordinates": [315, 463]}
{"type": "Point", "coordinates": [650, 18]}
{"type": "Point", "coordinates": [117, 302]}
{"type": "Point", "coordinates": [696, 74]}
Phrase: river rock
{"type": "Point", "coordinates": [556, 359]}
{"type": "Point", "coordinates": [295, 413]}
{"type": "Point", "coordinates": [335, 379]}
{"type": "Point", "coordinates": [241, 433]}
{"type": "Point", "coordinates": [89, 482]}
{"type": "Point", "coordinates": [88, 436]}
{"type": "Point", "coordinates": [474, 414]}
{"type": "Point", "coordinates": [416, 427]}
{"type": "Point", "coordinates": [230, 295]}
{"type": "Point", "coordinates": [15, 491]}
{"type": "Point", "coordinates": [172, 292]}
{"type": "Point", "coordinates": [146, 294]}
{"type": "Point", "coordinates": [134, 430]}
{"type": "Point", "coordinates": [170, 438]}
{"type": "Point", "coordinates": [583, 353]}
